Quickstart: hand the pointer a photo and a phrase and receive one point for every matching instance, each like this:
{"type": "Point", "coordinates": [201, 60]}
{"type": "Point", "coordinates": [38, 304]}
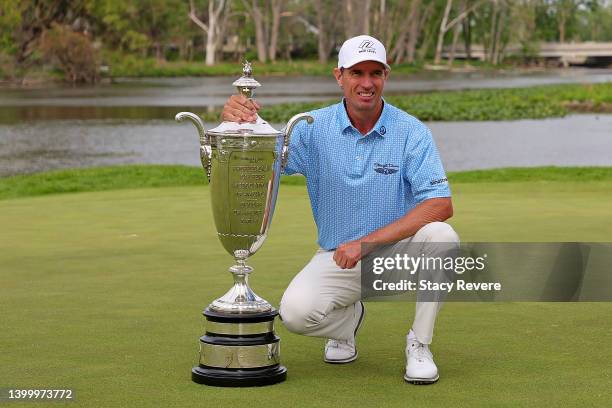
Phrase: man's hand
{"type": "Point", "coordinates": [348, 254]}
{"type": "Point", "coordinates": [434, 209]}
{"type": "Point", "coordinates": [240, 109]}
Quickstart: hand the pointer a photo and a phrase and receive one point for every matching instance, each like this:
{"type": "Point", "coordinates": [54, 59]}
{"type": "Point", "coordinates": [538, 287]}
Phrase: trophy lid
{"type": "Point", "coordinates": [259, 128]}
{"type": "Point", "coordinates": [246, 85]}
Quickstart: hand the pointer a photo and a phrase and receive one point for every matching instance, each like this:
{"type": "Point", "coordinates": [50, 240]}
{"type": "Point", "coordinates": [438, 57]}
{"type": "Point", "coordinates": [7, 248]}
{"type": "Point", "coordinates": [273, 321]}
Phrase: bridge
{"type": "Point", "coordinates": [565, 53]}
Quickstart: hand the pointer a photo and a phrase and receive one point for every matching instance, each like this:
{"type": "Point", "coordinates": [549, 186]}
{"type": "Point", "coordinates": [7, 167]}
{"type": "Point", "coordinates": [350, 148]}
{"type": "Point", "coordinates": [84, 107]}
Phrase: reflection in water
{"type": "Point", "coordinates": [577, 140]}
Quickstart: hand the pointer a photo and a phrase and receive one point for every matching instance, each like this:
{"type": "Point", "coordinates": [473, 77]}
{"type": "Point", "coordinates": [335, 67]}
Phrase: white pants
{"type": "Point", "coordinates": [320, 300]}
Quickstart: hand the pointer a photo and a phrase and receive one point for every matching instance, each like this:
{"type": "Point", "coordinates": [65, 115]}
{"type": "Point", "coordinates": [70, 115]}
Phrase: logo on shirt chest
{"type": "Point", "coordinates": [386, 169]}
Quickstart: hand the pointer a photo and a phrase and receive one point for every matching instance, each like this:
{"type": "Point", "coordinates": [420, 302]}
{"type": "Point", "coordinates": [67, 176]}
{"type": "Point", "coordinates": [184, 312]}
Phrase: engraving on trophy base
{"type": "Point", "coordinates": [239, 351]}
{"type": "Point", "coordinates": [241, 356]}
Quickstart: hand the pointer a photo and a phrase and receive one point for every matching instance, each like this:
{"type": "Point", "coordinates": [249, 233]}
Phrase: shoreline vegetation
{"type": "Point", "coordinates": [129, 66]}
{"type": "Point", "coordinates": [151, 68]}
{"type": "Point", "coordinates": [158, 176]}
{"type": "Point", "coordinates": [475, 105]}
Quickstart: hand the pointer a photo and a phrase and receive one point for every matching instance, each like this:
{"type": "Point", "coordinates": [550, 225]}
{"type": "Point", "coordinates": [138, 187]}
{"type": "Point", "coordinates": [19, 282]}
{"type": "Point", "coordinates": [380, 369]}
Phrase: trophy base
{"type": "Point", "coordinates": [239, 378]}
{"type": "Point", "coordinates": [239, 350]}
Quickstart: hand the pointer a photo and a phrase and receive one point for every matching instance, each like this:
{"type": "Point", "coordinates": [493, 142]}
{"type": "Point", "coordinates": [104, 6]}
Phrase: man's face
{"type": "Point", "coordinates": [363, 85]}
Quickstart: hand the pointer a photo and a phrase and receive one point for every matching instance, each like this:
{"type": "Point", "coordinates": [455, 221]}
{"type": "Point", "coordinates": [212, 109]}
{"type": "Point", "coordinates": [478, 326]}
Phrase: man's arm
{"type": "Point", "coordinates": [435, 209]}
{"type": "Point", "coordinates": [240, 109]}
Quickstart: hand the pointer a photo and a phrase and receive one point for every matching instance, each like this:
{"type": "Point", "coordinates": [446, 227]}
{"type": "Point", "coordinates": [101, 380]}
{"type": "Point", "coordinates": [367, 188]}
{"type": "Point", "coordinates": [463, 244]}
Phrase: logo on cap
{"type": "Point", "coordinates": [366, 46]}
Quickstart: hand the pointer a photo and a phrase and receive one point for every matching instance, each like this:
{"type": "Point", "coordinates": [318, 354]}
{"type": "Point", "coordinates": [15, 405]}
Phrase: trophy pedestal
{"type": "Point", "coordinates": [239, 350]}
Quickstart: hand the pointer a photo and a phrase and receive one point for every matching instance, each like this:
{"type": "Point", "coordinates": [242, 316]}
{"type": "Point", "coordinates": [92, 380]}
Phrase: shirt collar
{"type": "Point", "coordinates": [379, 128]}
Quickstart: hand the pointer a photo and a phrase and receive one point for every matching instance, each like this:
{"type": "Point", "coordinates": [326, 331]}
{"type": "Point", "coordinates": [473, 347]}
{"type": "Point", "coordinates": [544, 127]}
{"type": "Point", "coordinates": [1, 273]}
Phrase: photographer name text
{"type": "Point", "coordinates": [426, 285]}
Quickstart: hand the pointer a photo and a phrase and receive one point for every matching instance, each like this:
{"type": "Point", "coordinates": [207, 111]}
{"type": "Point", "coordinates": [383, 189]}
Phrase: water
{"type": "Point", "coordinates": [157, 98]}
{"type": "Point", "coordinates": [576, 140]}
{"type": "Point", "coordinates": [130, 121]}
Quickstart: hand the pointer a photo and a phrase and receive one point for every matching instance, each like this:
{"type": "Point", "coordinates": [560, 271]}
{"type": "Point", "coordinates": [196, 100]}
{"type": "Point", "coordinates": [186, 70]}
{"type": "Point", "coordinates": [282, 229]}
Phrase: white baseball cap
{"type": "Point", "coordinates": [362, 48]}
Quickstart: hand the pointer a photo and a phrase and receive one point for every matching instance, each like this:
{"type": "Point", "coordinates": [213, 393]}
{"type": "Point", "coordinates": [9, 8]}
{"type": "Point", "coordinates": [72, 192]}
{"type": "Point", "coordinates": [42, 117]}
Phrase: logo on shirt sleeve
{"type": "Point", "coordinates": [385, 168]}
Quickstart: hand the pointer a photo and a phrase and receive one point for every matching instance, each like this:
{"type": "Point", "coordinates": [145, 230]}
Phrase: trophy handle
{"type": "Point", "coordinates": [205, 149]}
{"type": "Point", "coordinates": [287, 131]}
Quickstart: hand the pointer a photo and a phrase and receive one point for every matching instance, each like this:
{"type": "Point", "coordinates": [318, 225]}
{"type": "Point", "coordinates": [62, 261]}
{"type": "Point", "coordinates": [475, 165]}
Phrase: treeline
{"type": "Point", "coordinates": [77, 36]}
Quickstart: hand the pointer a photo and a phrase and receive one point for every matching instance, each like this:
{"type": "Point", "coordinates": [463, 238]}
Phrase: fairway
{"type": "Point", "coordinates": [102, 292]}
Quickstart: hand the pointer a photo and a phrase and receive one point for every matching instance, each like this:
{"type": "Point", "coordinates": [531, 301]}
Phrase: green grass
{"type": "Point", "coordinates": [127, 66]}
{"type": "Point", "coordinates": [525, 174]}
{"type": "Point", "coordinates": [481, 104]}
{"type": "Point", "coordinates": [143, 176]}
{"type": "Point", "coordinates": [102, 292]}
{"type": "Point", "coordinates": [99, 179]}
{"type": "Point", "coordinates": [131, 66]}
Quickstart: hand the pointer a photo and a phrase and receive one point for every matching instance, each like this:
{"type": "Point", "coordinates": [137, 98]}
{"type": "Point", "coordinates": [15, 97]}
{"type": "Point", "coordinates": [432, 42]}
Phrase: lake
{"type": "Point", "coordinates": [131, 121]}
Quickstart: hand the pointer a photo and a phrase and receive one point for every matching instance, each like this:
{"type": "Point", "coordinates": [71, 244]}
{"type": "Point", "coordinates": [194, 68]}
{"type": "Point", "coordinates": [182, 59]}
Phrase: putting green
{"type": "Point", "coordinates": [101, 292]}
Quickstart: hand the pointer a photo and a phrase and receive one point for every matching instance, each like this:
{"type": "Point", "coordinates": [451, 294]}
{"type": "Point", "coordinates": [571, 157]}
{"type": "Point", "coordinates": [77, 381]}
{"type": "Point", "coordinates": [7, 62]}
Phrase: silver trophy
{"type": "Point", "coordinates": [243, 163]}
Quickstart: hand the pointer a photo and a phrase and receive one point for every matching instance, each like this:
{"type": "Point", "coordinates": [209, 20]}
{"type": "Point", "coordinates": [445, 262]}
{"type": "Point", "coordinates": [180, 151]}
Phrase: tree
{"type": "Point", "coordinates": [72, 52]}
{"type": "Point", "coordinates": [117, 22]}
{"type": "Point", "coordinates": [326, 16]}
{"type": "Point", "coordinates": [266, 19]}
{"type": "Point", "coordinates": [380, 21]}
{"type": "Point", "coordinates": [456, 30]}
{"type": "Point", "coordinates": [260, 31]}
{"type": "Point", "coordinates": [356, 17]}
{"type": "Point", "coordinates": [10, 20]}
{"type": "Point", "coordinates": [445, 25]}
{"type": "Point", "coordinates": [160, 20]}
{"type": "Point", "coordinates": [407, 31]}
{"type": "Point", "coordinates": [34, 18]}
{"type": "Point", "coordinates": [417, 21]}
{"type": "Point", "coordinates": [565, 11]}
{"type": "Point", "coordinates": [524, 22]}
{"type": "Point", "coordinates": [594, 21]}
{"type": "Point", "coordinates": [466, 30]}
{"type": "Point", "coordinates": [216, 9]}
{"type": "Point", "coordinates": [429, 29]}
{"type": "Point", "coordinates": [497, 28]}
{"type": "Point", "coordinates": [277, 7]}
{"type": "Point", "coordinates": [411, 30]}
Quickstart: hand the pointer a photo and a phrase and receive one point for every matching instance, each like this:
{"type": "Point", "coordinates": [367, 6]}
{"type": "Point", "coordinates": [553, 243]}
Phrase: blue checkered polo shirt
{"type": "Point", "coordinates": [358, 183]}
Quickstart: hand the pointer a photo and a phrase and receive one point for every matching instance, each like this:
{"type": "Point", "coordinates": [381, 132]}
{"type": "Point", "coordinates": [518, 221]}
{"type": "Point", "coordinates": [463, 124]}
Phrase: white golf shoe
{"type": "Point", "coordinates": [344, 351]}
{"type": "Point", "coordinates": [420, 367]}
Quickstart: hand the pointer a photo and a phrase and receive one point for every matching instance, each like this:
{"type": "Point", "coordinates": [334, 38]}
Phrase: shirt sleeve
{"type": "Point", "coordinates": [298, 150]}
{"type": "Point", "coordinates": [423, 169]}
